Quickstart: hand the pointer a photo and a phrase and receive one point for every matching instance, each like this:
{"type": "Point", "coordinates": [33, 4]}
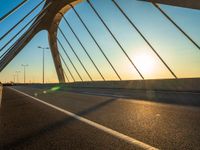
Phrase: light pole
{"type": "Point", "coordinates": [43, 48]}
{"type": "Point", "coordinates": [24, 71]}
{"type": "Point", "coordinates": [14, 77]}
{"type": "Point", "coordinates": [17, 75]}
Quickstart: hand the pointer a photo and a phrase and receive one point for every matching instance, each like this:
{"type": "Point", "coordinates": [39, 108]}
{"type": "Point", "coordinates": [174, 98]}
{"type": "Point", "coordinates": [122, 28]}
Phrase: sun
{"type": "Point", "coordinates": [145, 62]}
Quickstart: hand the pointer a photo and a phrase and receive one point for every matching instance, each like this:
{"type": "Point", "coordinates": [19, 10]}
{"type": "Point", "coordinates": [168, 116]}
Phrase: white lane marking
{"type": "Point", "coordinates": [1, 89]}
{"type": "Point", "coordinates": [114, 133]}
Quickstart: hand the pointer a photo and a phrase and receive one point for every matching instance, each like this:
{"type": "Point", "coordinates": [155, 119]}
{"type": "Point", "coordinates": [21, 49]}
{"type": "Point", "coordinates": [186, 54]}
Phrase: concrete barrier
{"type": "Point", "coordinates": [182, 85]}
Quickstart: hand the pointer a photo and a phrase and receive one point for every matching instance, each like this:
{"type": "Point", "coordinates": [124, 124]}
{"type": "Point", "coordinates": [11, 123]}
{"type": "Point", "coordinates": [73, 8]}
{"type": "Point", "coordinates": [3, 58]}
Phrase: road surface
{"type": "Point", "coordinates": [38, 118]}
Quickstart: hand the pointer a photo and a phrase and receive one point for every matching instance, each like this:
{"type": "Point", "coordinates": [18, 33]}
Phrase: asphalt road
{"type": "Point", "coordinates": [101, 121]}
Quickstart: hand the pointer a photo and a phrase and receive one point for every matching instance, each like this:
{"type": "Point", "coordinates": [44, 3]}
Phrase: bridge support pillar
{"type": "Point", "coordinates": [52, 33]}
{"type": "Point", "coordinates": [56, 56]}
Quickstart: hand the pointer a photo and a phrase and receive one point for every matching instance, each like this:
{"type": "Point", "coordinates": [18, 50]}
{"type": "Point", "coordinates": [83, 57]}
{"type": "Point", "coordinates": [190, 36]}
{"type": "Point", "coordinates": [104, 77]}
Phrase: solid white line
{"type": "Point", "coordinates": [96, 125]}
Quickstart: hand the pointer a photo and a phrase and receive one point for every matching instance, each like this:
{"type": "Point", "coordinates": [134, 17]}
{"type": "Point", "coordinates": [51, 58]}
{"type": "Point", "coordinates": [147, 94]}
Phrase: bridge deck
{"type": "Point", "coordinates": [28, 124]}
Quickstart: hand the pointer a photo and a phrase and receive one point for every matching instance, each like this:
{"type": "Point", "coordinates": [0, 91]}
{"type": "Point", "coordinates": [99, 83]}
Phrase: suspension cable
{"type": "Point", "coordinates": [84, 48]}
{"type": "Point", "coordinates": [22, 38]}
{"type": "Point", "coordinates": [144, 38]}
{"type": "Point", "coordinates": [13, 10]}
{"type": "Point", "coordinates": [67, 67]}
{"type": "Point", "coordinates": [91, 5]}
{"type": "Point", "coordinates": [72, 49]}
{"type": "Point", "coordinates": [66, 75]}
{"type": "Point", "coordinates": [69, 59]}
{"type": "Point", "coordinates": [92, 36]}
{"type": "Point", "coordinates": [41, 14]}
{"type": "Point", "coordinates": [177, 26]}
{"type": "Point", "coordinates": [13, 27]}
{"type": "Point", "coordinates": [23, 28]}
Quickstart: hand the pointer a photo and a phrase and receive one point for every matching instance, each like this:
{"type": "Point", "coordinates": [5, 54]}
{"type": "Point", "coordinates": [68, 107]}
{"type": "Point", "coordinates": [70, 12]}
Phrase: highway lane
{"type": "Point", "coordinates": [27, 124]}
{"type": "Point", "coordinates": [165, 126]}
{"type": "Point", "coordinates": [187, 98]}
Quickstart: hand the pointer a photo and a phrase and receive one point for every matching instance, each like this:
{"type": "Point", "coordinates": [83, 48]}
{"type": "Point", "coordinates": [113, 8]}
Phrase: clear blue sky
{"type": "Point", "coordinates": [176, 50]}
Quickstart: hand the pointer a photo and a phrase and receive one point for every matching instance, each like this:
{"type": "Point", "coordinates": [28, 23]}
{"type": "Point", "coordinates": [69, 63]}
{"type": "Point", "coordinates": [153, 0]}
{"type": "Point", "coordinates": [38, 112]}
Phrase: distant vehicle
{"type": "Point", "coordinates": [8, 84]}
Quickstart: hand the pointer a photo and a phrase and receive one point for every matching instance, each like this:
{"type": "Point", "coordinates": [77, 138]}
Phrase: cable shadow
{"type": "Point", "coordinates": [165, 97]}
{"type": "Point", "coordinates": [51, 127]}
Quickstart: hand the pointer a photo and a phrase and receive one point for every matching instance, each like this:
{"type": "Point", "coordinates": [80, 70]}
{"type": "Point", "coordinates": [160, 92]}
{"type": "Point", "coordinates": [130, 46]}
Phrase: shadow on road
{"type": "Point", "coordinates": [168, 97]}
{"type": "Point", "coordinates": [46, 129]}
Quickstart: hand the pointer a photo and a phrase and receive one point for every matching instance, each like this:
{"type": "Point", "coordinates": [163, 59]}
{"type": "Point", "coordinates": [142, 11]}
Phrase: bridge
{"type": "Point", "coordinates": [128, 75]}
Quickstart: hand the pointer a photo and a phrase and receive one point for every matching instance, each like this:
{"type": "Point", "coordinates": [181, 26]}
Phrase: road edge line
{"type": "Point", "coordinates": [107, 130]}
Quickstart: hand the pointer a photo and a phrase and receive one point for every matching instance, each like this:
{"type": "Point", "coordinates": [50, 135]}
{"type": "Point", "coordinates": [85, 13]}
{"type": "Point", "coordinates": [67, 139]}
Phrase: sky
{"type": "Point", "coordinates": [175, 49]}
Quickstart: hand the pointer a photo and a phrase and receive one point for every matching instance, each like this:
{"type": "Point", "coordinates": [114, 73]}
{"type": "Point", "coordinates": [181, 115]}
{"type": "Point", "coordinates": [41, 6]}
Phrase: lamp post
{"type": "Point", "coordinates": [43, 48]}
{"type": "Point", "coordinates": [14, 78]}
{"type": "Point", "coordinates": [24, 71]}
{"type": "Point", "coordinates": [17, 75]}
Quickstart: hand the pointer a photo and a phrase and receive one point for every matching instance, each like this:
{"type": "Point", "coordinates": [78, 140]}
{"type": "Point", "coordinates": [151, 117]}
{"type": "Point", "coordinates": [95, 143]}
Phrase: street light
{"type": "Point", "coordinates": [24, 71]}
{"type": "Point", "coordinates": [43, 48]}
{"type": "Point", "coordinates": [17, 75]}
{"type": "Point", "coordinates": [14, 78]}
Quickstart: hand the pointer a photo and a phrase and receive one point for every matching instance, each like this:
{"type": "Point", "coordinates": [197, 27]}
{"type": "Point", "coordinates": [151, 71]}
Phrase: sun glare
{"type": "Point", "coordinates": [145, 63]}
